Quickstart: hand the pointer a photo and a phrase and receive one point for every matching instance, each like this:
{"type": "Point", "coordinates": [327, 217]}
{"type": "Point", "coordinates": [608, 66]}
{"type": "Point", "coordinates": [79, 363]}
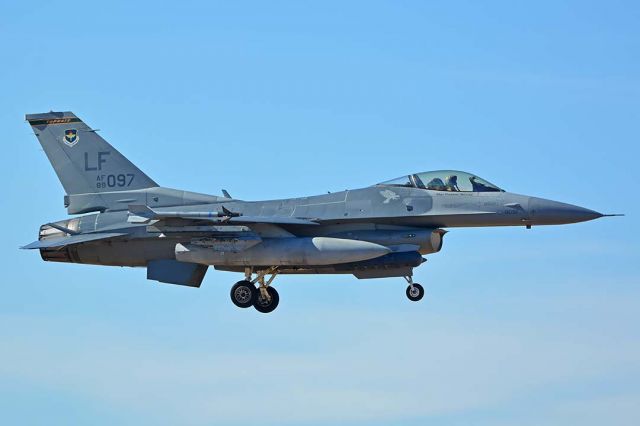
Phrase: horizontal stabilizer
{"type": "Point", "coordinates": [73, 239]}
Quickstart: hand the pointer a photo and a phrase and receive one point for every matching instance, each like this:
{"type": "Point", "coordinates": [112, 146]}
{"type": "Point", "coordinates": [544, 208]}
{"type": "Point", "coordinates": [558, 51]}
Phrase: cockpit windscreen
{"type": "Point", "coordinates": [445, 180]}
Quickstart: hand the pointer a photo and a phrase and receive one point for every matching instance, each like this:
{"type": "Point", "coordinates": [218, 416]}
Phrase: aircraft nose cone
{"type": "Point", "coordinates": [547, 212]}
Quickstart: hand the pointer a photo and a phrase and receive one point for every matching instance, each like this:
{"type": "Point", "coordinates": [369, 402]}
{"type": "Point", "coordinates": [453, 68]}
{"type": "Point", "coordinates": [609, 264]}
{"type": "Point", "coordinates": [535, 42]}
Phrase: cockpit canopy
{"type": "Point", "coordinates": [445, 180]}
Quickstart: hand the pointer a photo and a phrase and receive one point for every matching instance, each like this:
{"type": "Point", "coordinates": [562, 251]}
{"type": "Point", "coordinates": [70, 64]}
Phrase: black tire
{"type": "Point", "coordinates": [417, 294]}
{"type": "Point", "coordinates": [243, 294]}
{"type": "Point", "coordinates": [263, 305]}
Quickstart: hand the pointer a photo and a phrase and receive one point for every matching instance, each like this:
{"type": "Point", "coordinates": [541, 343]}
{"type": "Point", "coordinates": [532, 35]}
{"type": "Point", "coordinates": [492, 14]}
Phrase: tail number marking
{"type": "Point", "coordinates": [113, 181]}
{"type": "Point", "coordinates": [106, 181]}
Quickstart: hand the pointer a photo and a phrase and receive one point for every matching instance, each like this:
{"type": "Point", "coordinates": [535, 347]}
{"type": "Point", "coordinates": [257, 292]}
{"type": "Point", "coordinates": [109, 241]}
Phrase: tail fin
{"type": "Point", "coordinates": [84, 162]}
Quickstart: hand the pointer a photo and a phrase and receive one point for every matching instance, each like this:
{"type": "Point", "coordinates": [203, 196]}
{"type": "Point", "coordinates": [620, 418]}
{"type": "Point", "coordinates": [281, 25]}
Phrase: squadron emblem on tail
{"type": "Point", "coordinates": [71, 137]}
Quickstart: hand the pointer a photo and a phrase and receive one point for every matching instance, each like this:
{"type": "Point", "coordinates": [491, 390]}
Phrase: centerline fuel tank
{"type": "Point", "coordinates": [313, 251]}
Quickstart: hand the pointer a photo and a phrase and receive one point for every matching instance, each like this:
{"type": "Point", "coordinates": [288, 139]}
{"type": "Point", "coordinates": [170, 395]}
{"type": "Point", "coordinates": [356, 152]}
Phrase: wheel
{"type": "Point", "coordinates": [265, 306]}
{"type": "Point", "coordinates": [243, 294]}
{"type": "Point", "coordinates": [416, 293]}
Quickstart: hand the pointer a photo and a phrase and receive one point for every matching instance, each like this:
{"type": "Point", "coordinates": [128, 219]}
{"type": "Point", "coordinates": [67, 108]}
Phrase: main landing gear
{"type": "Point", "coordinates": [415, 291]}
{"type": "Point", "coordinates": [264, 297]}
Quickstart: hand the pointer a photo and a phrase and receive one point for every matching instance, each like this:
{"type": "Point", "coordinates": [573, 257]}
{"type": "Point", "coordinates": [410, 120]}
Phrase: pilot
{"type": "Point", "coordinates": [436, 184]}
{"type": "Point", "coordinates": [451, 182]}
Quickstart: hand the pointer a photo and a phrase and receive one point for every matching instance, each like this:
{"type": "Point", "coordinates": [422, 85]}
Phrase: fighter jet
{"type": "Point", "coordinates": [124, 218]}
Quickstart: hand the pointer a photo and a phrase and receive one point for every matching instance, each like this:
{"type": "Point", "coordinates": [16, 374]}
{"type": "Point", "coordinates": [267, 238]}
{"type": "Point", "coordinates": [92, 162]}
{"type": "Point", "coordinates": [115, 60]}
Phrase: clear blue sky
{"type": "Point", "coordinates": [279, 99]}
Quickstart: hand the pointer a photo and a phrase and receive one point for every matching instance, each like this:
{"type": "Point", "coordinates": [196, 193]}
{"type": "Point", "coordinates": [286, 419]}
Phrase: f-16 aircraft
{"type": "Point", "coordinates": [381, 231]}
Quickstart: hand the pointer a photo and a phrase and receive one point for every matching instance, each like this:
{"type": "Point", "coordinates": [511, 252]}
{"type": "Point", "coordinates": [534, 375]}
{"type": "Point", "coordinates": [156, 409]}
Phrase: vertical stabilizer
{"type": "Point", "coordinates": [84, 162]}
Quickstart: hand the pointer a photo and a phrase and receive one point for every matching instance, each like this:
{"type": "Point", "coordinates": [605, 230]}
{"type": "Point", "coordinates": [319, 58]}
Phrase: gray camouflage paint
{"type": "Point", "coordinates": [96, 177]}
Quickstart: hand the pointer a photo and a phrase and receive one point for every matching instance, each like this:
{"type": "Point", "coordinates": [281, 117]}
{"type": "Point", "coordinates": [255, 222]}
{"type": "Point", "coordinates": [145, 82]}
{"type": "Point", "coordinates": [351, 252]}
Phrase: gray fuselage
{"type": "Point", "coordinates": [364, 214]}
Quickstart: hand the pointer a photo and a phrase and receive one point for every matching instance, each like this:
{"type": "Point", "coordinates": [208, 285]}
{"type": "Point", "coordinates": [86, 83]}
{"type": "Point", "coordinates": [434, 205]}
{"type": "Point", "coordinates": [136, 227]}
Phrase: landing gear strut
{"type": "Point", "coordinates": [415, 291]}
{"type": "Point", "coordinates": [269, 303]}
{"type": "Point", "coordinates": [264, 297]}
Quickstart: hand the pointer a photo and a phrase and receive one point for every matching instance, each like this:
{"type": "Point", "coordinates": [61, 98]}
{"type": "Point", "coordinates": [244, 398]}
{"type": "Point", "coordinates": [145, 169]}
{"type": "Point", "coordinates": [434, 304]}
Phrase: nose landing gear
{"type": "Point", "coordinates": [415, 291]}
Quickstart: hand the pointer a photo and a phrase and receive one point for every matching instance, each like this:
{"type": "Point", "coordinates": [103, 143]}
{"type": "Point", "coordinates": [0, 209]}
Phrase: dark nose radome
{"type": "Point", "coordinates": [547, 212]}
